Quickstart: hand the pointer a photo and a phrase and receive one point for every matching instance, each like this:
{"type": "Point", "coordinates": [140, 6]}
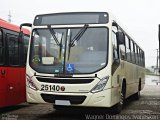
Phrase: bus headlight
{"type": "Point", "coordinates": [30, 83]}
{"type": "Point", "coordinates": [100, 86]}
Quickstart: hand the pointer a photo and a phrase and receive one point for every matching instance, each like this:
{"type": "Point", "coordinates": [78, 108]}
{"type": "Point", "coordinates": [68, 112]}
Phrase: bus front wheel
{"type": "Point", "coordinates": [118, 107]}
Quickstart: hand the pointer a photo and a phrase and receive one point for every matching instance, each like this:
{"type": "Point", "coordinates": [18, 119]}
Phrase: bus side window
{"type": "Point", "coordinates": [132, 51]}
{"type": "Point", "coordinates": [143, 58]}
{"type": "Point", "coordinates": [114, 42]}
{"type": "Point", "coordinates": [140, 57]}
{"type": "Point", "coordinates": [1, 49]}
{"type": "Point", "coordinates": [122, 52]}
{"type": "Point", "coordinates": [136, 54]}
{"type": "Point", "coordinates": [128, 51]}
{"type": "Point", "coordinates": [13, 49]}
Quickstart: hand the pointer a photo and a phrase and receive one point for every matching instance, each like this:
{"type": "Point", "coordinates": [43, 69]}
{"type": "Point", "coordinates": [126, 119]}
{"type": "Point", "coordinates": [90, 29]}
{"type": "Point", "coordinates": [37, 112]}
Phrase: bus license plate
{"type": "Point", "coordinates": [62, 102]}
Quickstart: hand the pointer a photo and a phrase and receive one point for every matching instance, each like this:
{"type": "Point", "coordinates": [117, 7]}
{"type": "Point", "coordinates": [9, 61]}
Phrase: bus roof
{"type": "Point", "coordinates": [7, 25]}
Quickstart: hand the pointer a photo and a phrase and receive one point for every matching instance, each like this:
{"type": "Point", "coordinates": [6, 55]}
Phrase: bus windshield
{"type": "Point", "coordinates": [56, 51]}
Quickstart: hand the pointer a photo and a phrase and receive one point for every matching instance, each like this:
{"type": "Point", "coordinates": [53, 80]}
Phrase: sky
{"type": "Point", "coordinates": [139, 17]}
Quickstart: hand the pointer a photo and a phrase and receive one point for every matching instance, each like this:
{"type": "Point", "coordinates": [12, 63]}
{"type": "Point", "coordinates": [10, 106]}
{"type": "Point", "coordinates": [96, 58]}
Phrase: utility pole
{"type": "Point", "coordinates": [9, 17]}
{"type": "Point", "coordinates": [157, 68]}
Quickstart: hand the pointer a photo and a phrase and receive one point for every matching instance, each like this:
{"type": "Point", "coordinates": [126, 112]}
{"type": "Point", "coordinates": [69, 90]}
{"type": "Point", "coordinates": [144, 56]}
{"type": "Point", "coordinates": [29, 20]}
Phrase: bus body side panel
{"type": "Point", "coordinates": [130, 82]}
{"type": "Point", "coordinates": [23, 84]}
{"type": "Point", "coordinates": [12, 77]}
{"type": "Point", "coordinates": [134, 74]}
{"type": "Point", "coordinates": [117, 79]}
{"type": "Point", "coordinates": [142, 76]}
{"type": "Point", "coordinates": [15, 86]}
{"type": "Point", "coordinates": [3, 88]}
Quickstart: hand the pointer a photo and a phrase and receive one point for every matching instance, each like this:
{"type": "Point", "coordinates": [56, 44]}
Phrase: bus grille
{"type": "Point", "coordinates": [73, 99]}
{"type": "Point", "coordinates": [64, 81]}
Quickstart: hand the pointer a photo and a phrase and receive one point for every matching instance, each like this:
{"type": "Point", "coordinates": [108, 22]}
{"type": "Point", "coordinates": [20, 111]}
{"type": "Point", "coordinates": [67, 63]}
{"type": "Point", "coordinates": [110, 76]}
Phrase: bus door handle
{"type": "Point", "coordinates": [3, 72]}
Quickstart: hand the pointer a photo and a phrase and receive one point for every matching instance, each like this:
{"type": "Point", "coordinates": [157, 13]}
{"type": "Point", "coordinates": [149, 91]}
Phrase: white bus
{"type": "Point", "coordinates": [82, 59]}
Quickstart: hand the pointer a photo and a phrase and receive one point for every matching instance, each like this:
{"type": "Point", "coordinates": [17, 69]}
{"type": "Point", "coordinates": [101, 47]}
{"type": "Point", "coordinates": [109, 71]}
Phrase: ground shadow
{"type": "Point", "coordinates": [12, 108]}
{"type": "Point", "coordinates": [80, 113]}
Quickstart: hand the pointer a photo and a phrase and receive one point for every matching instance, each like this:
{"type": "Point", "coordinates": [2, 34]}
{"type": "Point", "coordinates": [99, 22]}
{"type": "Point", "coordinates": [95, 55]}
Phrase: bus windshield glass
{"type": "Point", "coordinates": [87, 54]}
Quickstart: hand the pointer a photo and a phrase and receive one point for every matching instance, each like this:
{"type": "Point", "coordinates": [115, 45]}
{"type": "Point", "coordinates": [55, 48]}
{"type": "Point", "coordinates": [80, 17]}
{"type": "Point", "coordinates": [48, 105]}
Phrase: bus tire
{"type": "Point", "coordinates": [118, 107]}
{"type": "Point", "coordinates": [137, 95]}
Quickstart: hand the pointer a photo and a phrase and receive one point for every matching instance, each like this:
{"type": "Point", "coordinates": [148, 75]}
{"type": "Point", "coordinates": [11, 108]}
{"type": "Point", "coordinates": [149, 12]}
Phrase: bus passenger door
{"type": "Point", "coordinates": [3, 84]}
{"type": "Point", "coordinates": [14, 71]}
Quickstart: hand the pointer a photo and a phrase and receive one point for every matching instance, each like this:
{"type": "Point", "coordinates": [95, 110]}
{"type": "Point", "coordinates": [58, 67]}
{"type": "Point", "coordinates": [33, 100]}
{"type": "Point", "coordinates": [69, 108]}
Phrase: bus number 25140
{"type": "Point", "coordinates": [52, 88]}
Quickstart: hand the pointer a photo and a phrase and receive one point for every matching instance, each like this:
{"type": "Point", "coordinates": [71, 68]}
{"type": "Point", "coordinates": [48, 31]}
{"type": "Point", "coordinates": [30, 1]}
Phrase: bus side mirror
{"type": "Point", "coordinates": [20, 37]}
{"type": "Point", "coordinates": [26, 25]}
{"type": "Point", "coordinates": [21, 43]}
{"type": "Point", "coordinates": [120, 38]}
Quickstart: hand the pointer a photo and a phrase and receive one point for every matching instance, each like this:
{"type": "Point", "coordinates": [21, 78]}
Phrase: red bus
{"type": "Point", "coordinates": [13, 52]}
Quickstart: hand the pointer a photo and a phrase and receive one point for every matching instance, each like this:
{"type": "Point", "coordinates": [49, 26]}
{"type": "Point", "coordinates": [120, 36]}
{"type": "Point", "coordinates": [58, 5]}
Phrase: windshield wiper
{"type": "Point", "coordinates": [79, 35]}
{"type": "Point", "coordinates": [55, 38]}
{"type": "Point", "coordinates": [76, 38]}
{"type": "Point", "coordinates": [53, 34]}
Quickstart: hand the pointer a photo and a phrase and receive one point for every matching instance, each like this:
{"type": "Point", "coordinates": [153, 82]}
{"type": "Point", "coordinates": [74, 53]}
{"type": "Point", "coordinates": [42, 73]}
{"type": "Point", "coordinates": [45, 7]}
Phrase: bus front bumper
{"type": "Point", "coordinates": [99, 99]}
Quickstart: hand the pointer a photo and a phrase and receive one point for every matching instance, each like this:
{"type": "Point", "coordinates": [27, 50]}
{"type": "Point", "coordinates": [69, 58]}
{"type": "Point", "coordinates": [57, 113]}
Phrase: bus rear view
{"type": "Point", "coordinates": [70, 60]}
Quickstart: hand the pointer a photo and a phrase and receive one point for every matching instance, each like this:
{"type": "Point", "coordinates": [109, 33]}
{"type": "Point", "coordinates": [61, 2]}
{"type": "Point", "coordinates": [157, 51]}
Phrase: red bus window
{"type": "Point", "coordinates": [1, 49]}
{"type": "Point", "coordinates": [13, 49]}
